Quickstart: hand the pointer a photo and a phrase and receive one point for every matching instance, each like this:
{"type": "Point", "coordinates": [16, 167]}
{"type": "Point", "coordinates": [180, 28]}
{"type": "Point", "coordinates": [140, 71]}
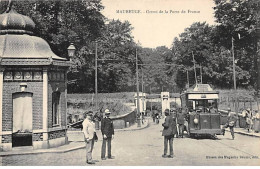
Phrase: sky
{"type": "Point", "coordinates": [153, 26]}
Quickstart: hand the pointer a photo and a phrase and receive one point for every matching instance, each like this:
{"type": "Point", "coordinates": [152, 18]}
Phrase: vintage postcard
{"type": "Point", "coordinates": [129, 83]}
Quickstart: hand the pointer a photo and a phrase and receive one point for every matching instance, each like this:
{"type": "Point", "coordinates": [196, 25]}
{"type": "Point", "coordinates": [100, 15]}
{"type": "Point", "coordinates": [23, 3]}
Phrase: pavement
{"type": "Point", "coordinates": [244, 131]}
{"type": "Point", "coordinates": [68, 147]}
{"type": "Point", "coordinates": [145, 148]}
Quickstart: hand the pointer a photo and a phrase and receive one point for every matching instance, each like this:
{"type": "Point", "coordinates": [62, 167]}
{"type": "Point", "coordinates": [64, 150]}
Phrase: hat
{"type": "Point", "coordinates": [229, 109]}
{"type": "Point", "coordinates": [107, 111]}
{"type": "Point", "coordinates": [89, 113]}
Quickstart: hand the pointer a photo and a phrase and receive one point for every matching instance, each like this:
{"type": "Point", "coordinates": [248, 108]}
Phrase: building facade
{"type": "Point", "coordinates": [32, 87]}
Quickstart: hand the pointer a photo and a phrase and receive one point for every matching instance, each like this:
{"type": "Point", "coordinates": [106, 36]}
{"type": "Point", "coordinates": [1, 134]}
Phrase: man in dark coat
{"type": "Point", "coordinates": [107, 130]}
{"type": "Point", "coordinates": [180, 120]}
{"type": "Point", "coordinates": [168, 133]}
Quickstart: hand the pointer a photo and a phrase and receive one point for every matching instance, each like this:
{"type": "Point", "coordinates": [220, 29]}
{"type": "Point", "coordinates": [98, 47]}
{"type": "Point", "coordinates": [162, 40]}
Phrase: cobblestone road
{"type": "Point", "coordinates": [145, 147]}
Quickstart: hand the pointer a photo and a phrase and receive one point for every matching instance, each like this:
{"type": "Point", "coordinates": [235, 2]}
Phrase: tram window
{"type": "Point", "coordinates": [190, 104]}
{"type": "Point", "coordinates": [212, 103]}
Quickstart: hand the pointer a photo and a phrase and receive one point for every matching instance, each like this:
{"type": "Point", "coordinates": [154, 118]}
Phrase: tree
{"type": "Point", "coordinates": [116, 51]}
{"type": "Point", "coordinates": [61, 22]}
{"type": "Point", "coordinates": [237, 18]}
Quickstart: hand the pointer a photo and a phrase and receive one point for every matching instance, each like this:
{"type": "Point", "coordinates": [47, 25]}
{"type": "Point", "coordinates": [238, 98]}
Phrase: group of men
{"type": "Point", "coordinates": [174, 124]}
{"type": "Point", "coordinates": [107, 130]}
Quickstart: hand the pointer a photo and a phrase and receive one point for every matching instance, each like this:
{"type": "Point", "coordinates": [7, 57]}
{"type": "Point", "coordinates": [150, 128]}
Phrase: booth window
{"type": "Point", "coordinates": [55, 108]}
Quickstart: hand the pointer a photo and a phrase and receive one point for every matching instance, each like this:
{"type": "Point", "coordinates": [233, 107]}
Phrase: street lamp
{"type": "Point", "coordinates": [71, 50]}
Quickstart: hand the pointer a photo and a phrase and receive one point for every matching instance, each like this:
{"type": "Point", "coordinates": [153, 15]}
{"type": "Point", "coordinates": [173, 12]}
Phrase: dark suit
{"type": "Point", "coordinates": [169, 129]}
{"type": "Point", "coordinates": [180, 119]}
{"type": "Point", "coordinates": [107, 129]}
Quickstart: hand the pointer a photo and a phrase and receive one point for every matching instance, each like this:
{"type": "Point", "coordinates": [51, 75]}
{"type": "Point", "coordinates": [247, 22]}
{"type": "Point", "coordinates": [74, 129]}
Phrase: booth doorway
{"type": "Point", "coordinates": [22, 119]}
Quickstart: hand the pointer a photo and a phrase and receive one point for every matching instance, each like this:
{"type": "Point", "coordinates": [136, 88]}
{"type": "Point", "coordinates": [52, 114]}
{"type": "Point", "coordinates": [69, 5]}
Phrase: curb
{"type": "Point", "coordinates": [242, 133]}
{"type": "Point", "coordinates": [3, 154]}
{"type": "Point", "coordinates": [41, 152]}
{"type": "Point", "coordinates": [248, 134]}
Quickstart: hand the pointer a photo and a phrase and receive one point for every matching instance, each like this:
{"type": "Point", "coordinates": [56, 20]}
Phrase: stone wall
{"type": "Point", "coordinates": [120, 121]}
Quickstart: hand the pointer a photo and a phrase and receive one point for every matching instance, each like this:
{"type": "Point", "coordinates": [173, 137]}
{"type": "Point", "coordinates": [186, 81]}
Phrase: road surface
{"type": "Point", "coordinates": [145, 147]}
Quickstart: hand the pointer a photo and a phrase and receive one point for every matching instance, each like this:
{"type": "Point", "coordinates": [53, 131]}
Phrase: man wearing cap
{"type": "Point", "coordinates": [168, 133]}
{"type": "Point", "coordinates": [89, 131]}
{"type": "Point", "coordinates": [107, 130]}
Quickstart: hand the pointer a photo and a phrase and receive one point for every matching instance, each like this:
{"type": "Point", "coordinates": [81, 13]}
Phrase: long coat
{"type": "Point", "coordinates": [88, 129]}
{"type": "Point", "coordinates": [107, 127]}
{"type": "Point", "coordinates": [169, 126]}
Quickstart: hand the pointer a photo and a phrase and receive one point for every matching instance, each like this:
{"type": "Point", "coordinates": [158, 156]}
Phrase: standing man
{"type": "Point", "coordinates": [180, 120]}
{"type": "Point", "coordinates": [173, 114]}
{"type": "Point", "coordinates": [89, 131]}
{"type": "Point", "coordinates": [107, 130]}
{"type": "Point", "coordinates": [168, 133]}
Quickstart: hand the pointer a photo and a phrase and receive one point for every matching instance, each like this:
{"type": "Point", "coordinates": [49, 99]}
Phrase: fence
{"type": "Point", "coordinates": [224, 115]}
{"type": "Point", "coordinates": [242, 103]}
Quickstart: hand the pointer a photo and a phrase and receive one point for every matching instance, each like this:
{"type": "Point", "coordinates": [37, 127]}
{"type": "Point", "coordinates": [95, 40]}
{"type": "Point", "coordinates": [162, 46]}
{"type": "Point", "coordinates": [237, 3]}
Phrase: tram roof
{"type": "Point", "coordinates": [201, 88]}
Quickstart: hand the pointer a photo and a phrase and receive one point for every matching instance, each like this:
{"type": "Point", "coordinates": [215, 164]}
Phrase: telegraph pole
{"type": "Point", "coordinates": [258, 58]}
{"type": "Point", "coordinates": [234, 66]}
{"type": "Point", "coordinates": [201, 74]}
{"type": "Point", "coordinates": [188, 78]}
{"type": "Point", "coordinates": [137, 92]}
{"type": "Point", "coordinates": [96, 86]}
{"type": "Point", "coordinates": [194, 67]}
{"type": "Point", "coordinates": [234, 77]}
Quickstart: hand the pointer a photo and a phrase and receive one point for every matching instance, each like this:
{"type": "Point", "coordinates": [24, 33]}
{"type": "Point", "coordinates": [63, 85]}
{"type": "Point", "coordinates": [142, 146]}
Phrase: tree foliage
{"type": "Point", "coordinates": [212, 46]}
{"type": "Point", "coordinates": [61, 22]}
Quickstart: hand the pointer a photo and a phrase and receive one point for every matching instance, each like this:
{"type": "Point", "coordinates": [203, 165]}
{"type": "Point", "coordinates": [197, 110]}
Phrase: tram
{"type": "Point", "coordinates": [201, 104]}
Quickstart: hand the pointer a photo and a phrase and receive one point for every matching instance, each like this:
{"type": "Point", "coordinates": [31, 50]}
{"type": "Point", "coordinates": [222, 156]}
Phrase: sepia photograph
{"type": "Point", "coordinates": [129, 83]}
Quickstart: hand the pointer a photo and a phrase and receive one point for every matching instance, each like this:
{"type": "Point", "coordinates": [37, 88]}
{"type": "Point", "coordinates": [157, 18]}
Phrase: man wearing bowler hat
{"type": "Point", "coordinates": [107, 130]}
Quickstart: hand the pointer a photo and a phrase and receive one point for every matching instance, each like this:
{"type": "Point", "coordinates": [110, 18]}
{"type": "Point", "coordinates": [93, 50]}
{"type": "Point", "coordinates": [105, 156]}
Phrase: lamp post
{"type": "Point", "coordinates": [71, 52]}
